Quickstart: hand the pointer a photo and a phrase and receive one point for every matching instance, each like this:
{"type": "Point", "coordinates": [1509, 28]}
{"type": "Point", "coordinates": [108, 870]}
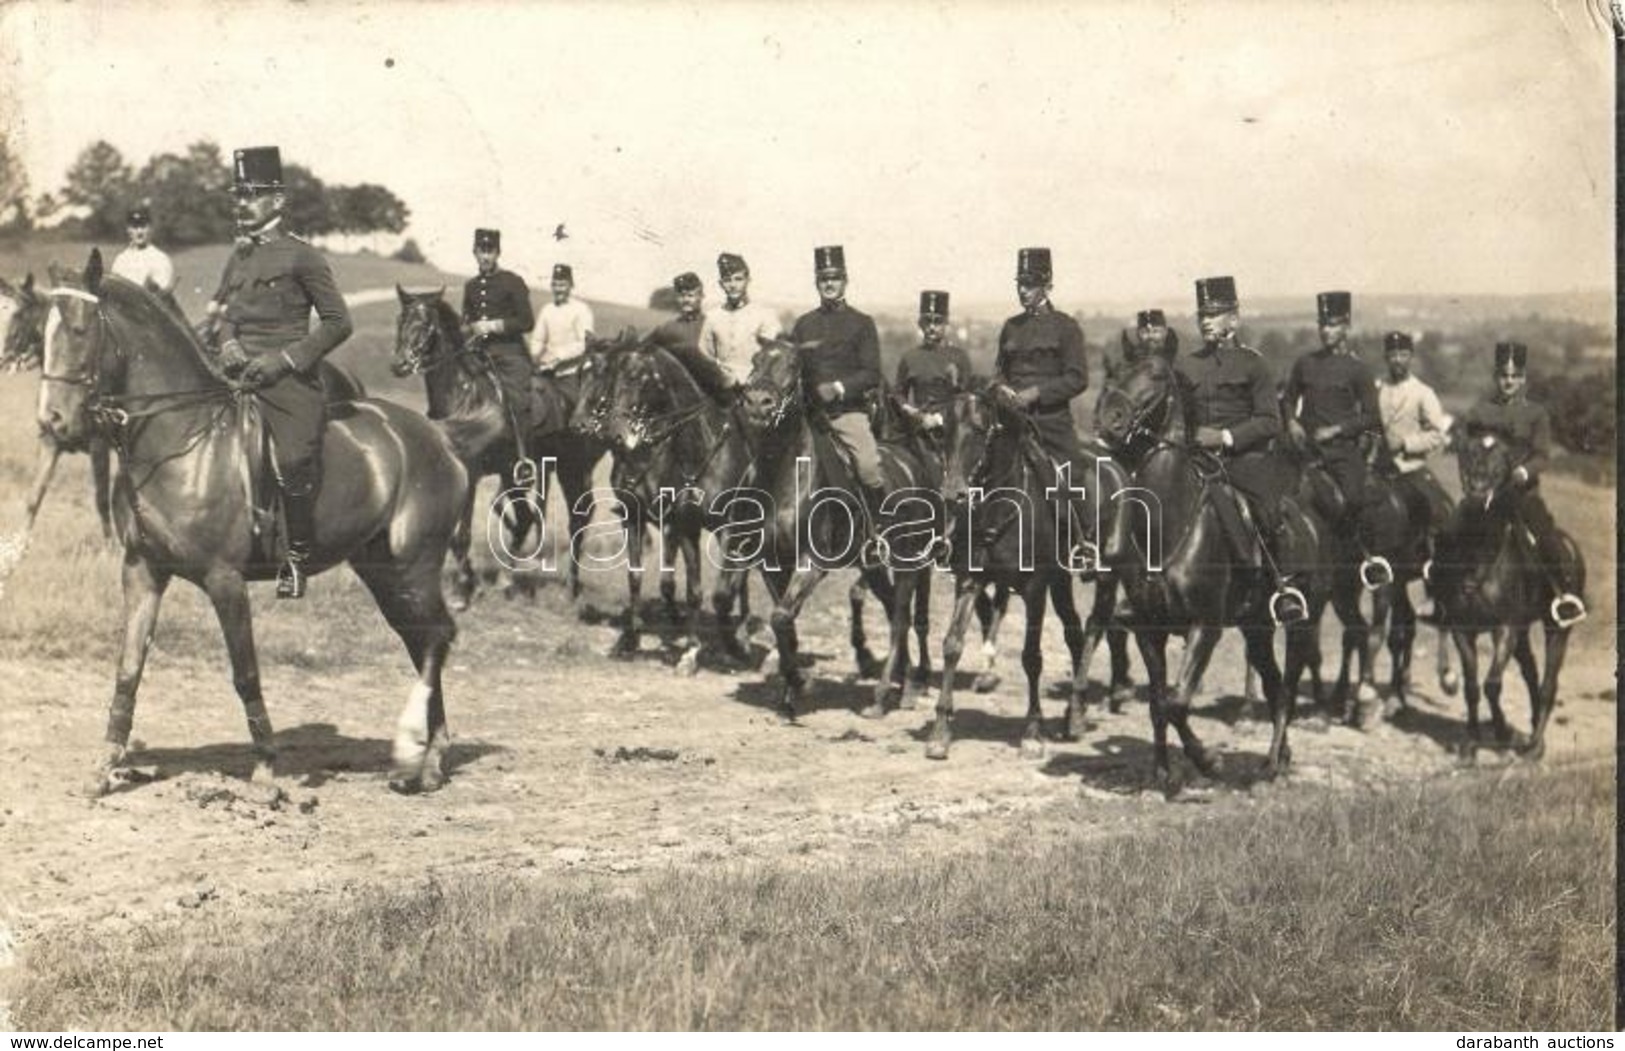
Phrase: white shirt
{"type": "Point", "coordinates": [1413, 422]}
{"type": "Point", "coordinates": [561, 331]}
{"type": "Point", "coordinates": [141, 264]}
{"type": "Point", "coordinates": [732, 337]}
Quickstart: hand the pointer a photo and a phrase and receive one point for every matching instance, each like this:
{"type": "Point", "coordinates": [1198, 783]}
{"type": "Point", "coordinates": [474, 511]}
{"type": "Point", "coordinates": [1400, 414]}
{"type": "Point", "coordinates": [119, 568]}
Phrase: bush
{"type": "Point", "coordinates": [1581, 407]}
{"type": "Point", "coordinates": [409, 252]}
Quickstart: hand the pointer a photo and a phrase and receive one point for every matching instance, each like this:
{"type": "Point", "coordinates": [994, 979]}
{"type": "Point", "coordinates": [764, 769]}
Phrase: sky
{"type": "Point", "coordinates": [1300, 145]}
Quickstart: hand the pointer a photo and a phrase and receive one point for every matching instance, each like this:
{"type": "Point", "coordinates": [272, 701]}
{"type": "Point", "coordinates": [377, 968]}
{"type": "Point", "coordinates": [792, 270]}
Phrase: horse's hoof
{"type": "Point", "coordinates": [626, 645]}
{"type": "Point", "coordinates": [937, 747]}
{"type": "Point", "coordinates": [96, 785]}
{"type": "Point", "coordinates": [770, 664]}
{"type": "Point", "coordinates": [873, 710]}
{"type": "Point", "coordinates": [986, 682]}
{"type": "Point", "coordinates": [1450, 682]}
{"type": "Point", "coordinates": [1534, 751]}
{"type": "Point", "coordinates": [458, 604]}
{"type": "Point", "coordinates": [910, 700]}
{"type": "Point", "coordinates": [869, 667]}
{"type": "Point", "coordinates": [1118, 698]}
{"type": "Point", "coordinates": [1366, 693]}
{"type": "Point", "coordinates": [1209, 766]}
{"type": "Point", "coordinates": [1032, 748]}
{"type": "Point", "coordinates": [264, 772]}
{"type": "Point", "coordinates": [689, 663]}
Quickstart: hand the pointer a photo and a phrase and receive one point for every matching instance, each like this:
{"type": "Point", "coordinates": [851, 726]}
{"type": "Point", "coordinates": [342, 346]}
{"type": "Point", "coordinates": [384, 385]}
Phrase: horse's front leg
{"type": "Point", "coordinates": [144, 586]}
{"type": "Point", "coordinates": [1500, 652]}
{"type": "Point", "coordinates": [229, 595]}
{"type": "Point", "coordinates": [1467, 649]}
{"type": "Point", "coordinates": [688, 543]}
{"type": "Point", "coordinates": [919, 679]}
{"type": "Point", "coordinates": [895, 666]}
{"type": "Point", "coordinates": [990, 611]}
{"type": "Point", "coordinates": [1079, 648]}
{"type": "Point", "coordinates": [631, 637]}
{"type": "Point", "coordinates": [1557, 644]}
{"type": "Point", "coordinates": [1401, 644]}
{"type": "Point", "coordinates": [966, 592]}
{"type": "Point", "coordinates": [792, 596]}
{"type": "Point", "coordinates": [1193, 661]}
{"type": "Point", "coordinates": [462, 539]}
{"type": "Point", "coordinates": [1278, 693]}
{"type": "Point", "coordinates": [101, 472]}
{"type": "Point", "coordinates": [1035, 598]}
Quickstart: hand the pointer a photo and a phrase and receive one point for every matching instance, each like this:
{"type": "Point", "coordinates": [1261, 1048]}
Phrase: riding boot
{"type": "Point", "coordinates": [299, 509]}
{"type": "Point", "coordinates": [1557, 563]}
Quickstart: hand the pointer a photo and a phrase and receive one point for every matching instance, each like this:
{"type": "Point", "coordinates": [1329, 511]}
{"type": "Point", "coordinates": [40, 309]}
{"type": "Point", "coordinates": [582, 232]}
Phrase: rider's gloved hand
{"type": "Point", "coordinates": [828, 393]}
{"type": "Point", "coordinates": [1210, 437]}
{"type": "Point", "coordinates": [263, 372]}
{"type": "Point", "coordinates": [233, 358]}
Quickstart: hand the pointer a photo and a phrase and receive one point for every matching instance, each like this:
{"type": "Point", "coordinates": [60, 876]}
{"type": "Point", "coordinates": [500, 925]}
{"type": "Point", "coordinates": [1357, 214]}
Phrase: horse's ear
{"type": "Point", "coordinates": [93, 272]}
{"type": "Point", "coordinates": [28, 283]}
{"type": "Point", "coordinates": [401, 293]}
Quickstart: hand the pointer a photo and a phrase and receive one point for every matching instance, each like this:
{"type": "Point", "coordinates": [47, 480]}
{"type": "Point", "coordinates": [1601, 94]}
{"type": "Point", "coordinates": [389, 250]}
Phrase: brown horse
{"type": "Point", "coordinates": [466, 400]}
{"type": "Point", "coordinates": [189, 448]}
{"type": "Point", "coordinates": [1487, 577]}
{"type": "Point", "coordinates": [24, 348]}
{"type": "Point", "coordinates": [1182, 570]}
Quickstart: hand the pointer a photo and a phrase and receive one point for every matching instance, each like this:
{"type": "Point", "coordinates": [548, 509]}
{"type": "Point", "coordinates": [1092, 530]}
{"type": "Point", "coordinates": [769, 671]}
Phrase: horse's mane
{"type": "Point", "coordinates": [141, 308]}
{"type": "Point", "coordinates": [445, 314]}
{"type": "Point", "coordinates": [673, 373]}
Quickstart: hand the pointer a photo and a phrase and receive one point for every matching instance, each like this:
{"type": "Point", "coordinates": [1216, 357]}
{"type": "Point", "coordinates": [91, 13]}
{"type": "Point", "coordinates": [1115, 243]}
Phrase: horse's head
{"type": "Point", "coordinates": [76, 353]}
{"type": "Point", "coordinates": [773, 389]}
{"type": "Point", "coordinates": [1137, 403]}
{"type": "Point", "coordinates": [25, 330]}
{"type": "Point", "coordinates": [643, 393]}
{"type": "Point", "coordinates": [969, 424]}
{"type": "Point", "coordinates": [421, 342]}
{"type": "Point", "coordinates": [1486, 463]}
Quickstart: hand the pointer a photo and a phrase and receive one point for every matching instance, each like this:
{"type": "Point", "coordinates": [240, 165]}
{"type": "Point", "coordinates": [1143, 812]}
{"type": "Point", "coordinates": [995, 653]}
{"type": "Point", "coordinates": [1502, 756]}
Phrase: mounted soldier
{"type": "Point", "coordinates": [1414, 424]}
{"type": "Point", "coordinates": [1331, 409]}
{"type": "Point", "coordinates": [680, 337]}
{"type": "Point", "coordinates": [565, 325]}
{"type": "Point", "coordinates": [143, 262]}
{"type": "Point", "coordinates": [730, 337]}
{"type": "Point", "coordinates": [1151, 335]}
{"type": "Point", "coordinates": [841, 368]}
{"type": "Point", "coordinates": [496, 316]}
{"type": "Point", "coordinates": [1526, 427]}
{"type": "Point", "coordinates": [1041, 367]}
{"type": "Point", "coordinates": [261, 313]}
{"type": "Point", "coordinates": [1234, 415]}
{"type": "Point", "coordinates": [929, 375]}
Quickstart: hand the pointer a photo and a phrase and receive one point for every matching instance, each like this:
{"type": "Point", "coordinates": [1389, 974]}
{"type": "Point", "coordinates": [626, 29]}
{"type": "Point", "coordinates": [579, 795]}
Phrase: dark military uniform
{"type": "Point", "coordinates": [1527, 428]}
{"type": "Point", "coordinates": [1044, 349]}
{"type": "Point", "coordinates": [680, 337]}
{"type": "Point", "coordinates": [502, 296]}
{"type": "Point", "coordinates": [269, 288]}
{"type": "Point", "coordinates": [1324, 389]}
{"type": "Point", "coordinates": [1231, 388]}
{"type": "Point", "coordinates": [929, 377]}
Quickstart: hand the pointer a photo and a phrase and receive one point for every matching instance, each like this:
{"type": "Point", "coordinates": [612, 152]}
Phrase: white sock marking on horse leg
{"type": "Point", "coordinates": [412, 731]}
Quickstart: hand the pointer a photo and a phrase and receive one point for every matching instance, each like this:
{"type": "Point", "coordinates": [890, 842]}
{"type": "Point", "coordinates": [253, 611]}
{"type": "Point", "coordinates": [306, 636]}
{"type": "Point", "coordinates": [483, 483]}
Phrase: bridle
{"type": "Point", "coordinates": [1146, 423]}
{"type": "Point", "coordinates": [788, 398]}
{"type": "Point", "coordinates": [420, 346]}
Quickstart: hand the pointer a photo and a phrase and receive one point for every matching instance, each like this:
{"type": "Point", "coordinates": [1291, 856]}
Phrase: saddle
{"type": "Point", "coordinates": [1237, 520]}
{"type": "Point", "coordinates": [267, 541]}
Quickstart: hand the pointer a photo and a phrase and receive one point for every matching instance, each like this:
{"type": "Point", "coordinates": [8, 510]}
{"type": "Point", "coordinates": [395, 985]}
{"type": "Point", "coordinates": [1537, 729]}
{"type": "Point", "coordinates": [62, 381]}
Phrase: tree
{"type": "Point", "coordinates": [14, 212]}
{"type": "Point", "coordinates": [368, 208]}
{"type": "Point", "coordinates": [100, 182]}
{"type": "Point", "coordinates": [189, 196]}
{"type": "Point", "coordinates": [309, 211]}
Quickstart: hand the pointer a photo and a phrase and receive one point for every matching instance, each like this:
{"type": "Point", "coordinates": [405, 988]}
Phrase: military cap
{"type": "Point", "coordinates": [257, 169]}
{"type": "Point", "coordinates": [1514, 354]}
{"type": "Point", "coordinates": [1216, 295]}
{"type": "Point", "coordinates": [138, 216]}
{"type": "Point", "coordinates": [1033, 262]}
{"type": "Point", "coordinates": [1150, 318]}
{"type": "Point", "coordinates": [1334, 307]}
{"type": "Point", "coordinates": [829, 257]}
{"type": "Point", "coordinates": [934, 304]}
{"type": "Point", "coordinates": [1397, 341]}
{"type": "Point", "coordinates": [687, 281]}
{"type": "Point", "coordinates": [562, 272]}
{"type": "Point", "coordinates": [487, 240]}
{"type": "Point", "coordinates": [728, 263]}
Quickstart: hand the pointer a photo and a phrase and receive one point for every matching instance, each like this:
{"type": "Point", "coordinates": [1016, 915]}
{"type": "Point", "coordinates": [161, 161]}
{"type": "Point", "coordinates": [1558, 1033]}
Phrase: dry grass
{"type": "Point", "coordinates": [1477, 903]}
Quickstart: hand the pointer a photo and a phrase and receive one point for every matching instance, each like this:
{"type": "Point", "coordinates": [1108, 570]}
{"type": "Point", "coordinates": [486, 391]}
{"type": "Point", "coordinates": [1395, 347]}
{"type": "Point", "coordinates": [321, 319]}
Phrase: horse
{"type": "Point", "coordinates": [1182, 572]}
{"type": "Point", "coordinates": [675, 451]}
{"type": "Point", "coordinates": [23, 350]}
{"type": "Point", "coordinates": [189, 447]}
{"type": "Point", "coordinates": [796, 547]}
{"type": "Point", "coordinates": [1382, 555]}
{"type": "Point", "coordinates": [989, 453]}
{"type": "Point", "coordinates": [466, 400]}
{"type": "Point", "coordinates": [1486, 578]}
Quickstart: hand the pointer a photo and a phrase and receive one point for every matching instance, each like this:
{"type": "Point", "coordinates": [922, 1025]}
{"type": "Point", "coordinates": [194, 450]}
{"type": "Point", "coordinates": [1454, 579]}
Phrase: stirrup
{"type": "Point", "coordinates": [875, 552]}
{"type": "Point", "coordinates": [941, 551]}
{"type": "Point", "coordinates": [1288, 593]}
{"type": "Point", "coordinates": [524, 473]}
{"type": "Point", "coordinates": [1574, 603]}
{"type": "Point", "coordinates": [1084, 558]}
{"type": "Point", "coordinates": [290, 579]}
{"type": "Point", "coordinates": [1376, 572]}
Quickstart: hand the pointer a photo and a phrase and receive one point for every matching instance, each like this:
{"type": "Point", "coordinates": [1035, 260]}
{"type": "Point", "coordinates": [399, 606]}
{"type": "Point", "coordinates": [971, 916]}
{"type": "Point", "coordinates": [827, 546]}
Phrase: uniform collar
{"type": "Point", "coordinates": [832, 308]}
{"type": "Point", "coordinates": [742, 304]}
